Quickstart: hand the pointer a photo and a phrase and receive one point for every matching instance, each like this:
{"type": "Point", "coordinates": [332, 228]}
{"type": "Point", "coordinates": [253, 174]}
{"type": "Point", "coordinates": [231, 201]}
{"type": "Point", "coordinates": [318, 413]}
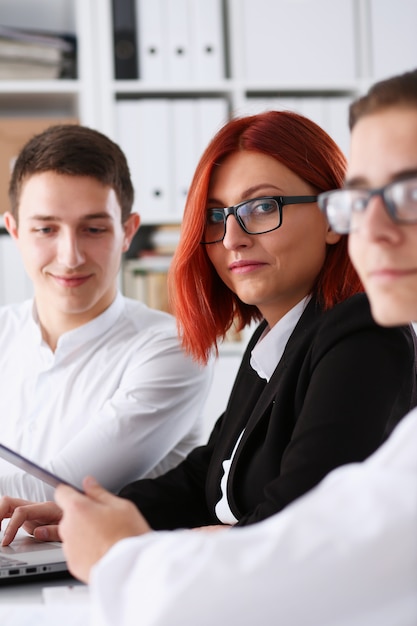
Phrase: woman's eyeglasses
{"type": "Point", "coordinates": [255, 216]}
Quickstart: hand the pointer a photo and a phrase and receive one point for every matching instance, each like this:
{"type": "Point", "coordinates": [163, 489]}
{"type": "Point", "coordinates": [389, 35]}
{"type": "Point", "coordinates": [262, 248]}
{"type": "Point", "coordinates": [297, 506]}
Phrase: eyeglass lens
{"type": "Point", "coordinates": [345, 207]}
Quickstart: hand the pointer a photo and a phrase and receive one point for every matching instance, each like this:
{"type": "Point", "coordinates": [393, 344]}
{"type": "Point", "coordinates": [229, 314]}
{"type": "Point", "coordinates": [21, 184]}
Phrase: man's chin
{"type": "Point", "coordinates": [392, 315]}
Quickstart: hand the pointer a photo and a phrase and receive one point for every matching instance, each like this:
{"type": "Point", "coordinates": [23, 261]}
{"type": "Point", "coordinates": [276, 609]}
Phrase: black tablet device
{"type": "Point", "coordinates": [32, 468]}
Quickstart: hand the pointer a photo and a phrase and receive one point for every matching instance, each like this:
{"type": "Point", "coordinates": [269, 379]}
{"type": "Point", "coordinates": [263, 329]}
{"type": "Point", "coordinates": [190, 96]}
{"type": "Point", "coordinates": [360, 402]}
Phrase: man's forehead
{"type": "Point", "coordinates": [383, 146]}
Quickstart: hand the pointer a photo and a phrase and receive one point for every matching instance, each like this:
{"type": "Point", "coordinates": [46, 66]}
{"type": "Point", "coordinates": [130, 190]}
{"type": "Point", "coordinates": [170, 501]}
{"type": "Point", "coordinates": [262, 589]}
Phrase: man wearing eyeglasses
{"type": "Point", "coordinates": [378, 205]}
{"type": "Point", "coordinates": [346, 553]}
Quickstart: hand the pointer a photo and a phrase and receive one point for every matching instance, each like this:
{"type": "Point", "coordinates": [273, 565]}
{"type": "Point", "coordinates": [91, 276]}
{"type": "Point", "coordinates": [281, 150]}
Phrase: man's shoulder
{"type": "Point", "coordinates": [138, 310]}
{"type": "Point", "coordinates": [353, 316]}
{"type": "Point", "coordinates": [354, 308]}
{"type": "Point", "coordinates": [139, 318]}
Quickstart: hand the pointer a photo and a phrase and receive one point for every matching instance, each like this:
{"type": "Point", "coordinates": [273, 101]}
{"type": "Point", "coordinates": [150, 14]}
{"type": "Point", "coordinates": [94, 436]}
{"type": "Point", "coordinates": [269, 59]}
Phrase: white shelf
{"type": "Point", "coordinates": [70, 86]}
{"type": "Point", "coordinates": [141, 87]}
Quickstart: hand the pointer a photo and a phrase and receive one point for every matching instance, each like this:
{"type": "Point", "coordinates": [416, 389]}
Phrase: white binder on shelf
{"type": "Point", "coordinates": [178, 41]}
{"type": "Point", "coordinates": [153, 187]}
{"type": "Point", "coordinates": [152, 48]}
{"type": "Point", "coordinates": [184, 150]}
{"type": "Point", "coordinates": [127, 131]}
{"type": "Point", "coordinates": [207, 40]}
{"type": "Point", "coordinates": [194, 123]}
{"type": "Point", "coordinates": [163, 140]}
{"type": "Point", "coordinates": [143, 128]}
{"type": "Point", "coordinates": [211, 115]}
{"type": "Point", "coordinates": [298, 42]}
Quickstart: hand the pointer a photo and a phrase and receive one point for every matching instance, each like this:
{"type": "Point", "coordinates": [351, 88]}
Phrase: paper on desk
{"type": "Point", "coordinates": [44, 615]}
{"type": "Point", "coordinates": [70, 594]}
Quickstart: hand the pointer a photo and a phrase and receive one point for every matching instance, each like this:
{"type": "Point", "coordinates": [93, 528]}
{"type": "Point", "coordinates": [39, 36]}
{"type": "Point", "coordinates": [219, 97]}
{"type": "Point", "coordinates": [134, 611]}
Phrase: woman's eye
{"type": "Point", "coordinates": [215, 217]}
{"type": "Point", "coordinates": [264, 207]}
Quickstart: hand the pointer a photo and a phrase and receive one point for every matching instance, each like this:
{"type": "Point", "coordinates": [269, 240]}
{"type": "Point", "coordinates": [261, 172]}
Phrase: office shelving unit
{"type": "Point", "coordinates": [313, 55]}
{"type": "Point", "coordinates": [328, 52]}
{"type": "Point", "coordinates": [68, 97]}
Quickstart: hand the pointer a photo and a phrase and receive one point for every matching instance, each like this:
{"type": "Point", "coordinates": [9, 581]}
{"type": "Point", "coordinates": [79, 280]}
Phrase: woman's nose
{"type": "Point", "coordinates": [235, 236]}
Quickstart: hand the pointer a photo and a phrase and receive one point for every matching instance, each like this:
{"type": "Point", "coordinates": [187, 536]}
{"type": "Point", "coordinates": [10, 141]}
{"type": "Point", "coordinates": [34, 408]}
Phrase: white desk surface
{"type": "Point", "coordinates": [38, 605]}
{"type": "Point", "coordinates": [31, 593]}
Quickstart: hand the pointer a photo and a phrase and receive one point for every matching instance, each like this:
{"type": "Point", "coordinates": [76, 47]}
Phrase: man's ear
{"type": "Point", "coordinates": [130, 227]}
{"type": "Point", "coordinates": [11, 225]}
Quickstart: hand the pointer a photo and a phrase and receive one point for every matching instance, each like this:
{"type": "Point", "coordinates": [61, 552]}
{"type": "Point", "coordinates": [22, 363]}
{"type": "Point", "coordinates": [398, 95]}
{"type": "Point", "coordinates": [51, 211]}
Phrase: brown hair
{"type": "Point", "coordinates": [76, 151]}
{"type": "Point", "coordinates": [204, 306]}
{"type": "Point", "coordinates": [400, 90]}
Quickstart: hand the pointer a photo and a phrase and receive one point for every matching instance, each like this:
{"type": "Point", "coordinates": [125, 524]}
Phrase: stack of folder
{"type": "Point", "coordinates": [26, 55]}
{"type": "Point", "coordinates": [169, 41]}
{"type": "Point", "coordinates": [163, 139]}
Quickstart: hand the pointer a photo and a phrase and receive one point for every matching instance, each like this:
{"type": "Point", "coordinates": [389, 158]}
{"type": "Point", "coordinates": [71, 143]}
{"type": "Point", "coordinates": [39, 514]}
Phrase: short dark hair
{"type": "Point", "coordinates": [76, 151]}
{"type": "Point", "coordinates": [400, 90]}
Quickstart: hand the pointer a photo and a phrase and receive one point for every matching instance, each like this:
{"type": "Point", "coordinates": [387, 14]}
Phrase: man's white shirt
{"type": "Point", "coordinates": [118, 399]}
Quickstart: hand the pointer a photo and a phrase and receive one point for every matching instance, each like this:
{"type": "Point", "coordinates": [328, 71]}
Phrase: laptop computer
{"type": "Point", "coordinates": [26, 558]}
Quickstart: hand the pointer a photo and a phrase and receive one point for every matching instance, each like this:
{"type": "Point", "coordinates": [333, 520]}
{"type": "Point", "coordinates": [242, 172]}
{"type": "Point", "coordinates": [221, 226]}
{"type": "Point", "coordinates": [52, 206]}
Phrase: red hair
{"type": "Point", "coordinates": [204, 306]}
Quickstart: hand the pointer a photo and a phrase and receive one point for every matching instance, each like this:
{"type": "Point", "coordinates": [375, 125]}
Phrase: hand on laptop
{"type": "Point", "coordinates": [92, 523]}
{"type": "Point", "coordinates": [38, 519]}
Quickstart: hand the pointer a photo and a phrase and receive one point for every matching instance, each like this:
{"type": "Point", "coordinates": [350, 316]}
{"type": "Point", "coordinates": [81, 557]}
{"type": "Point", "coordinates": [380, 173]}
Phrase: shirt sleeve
{"type": "Point", "coordinates": [345, 552]}
{"type": "Point", "coordinates": [148, 426]}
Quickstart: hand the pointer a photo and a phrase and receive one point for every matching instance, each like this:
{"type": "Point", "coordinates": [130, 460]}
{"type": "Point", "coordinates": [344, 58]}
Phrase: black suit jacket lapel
{"type": "Point", "coordinates": [301, 333]}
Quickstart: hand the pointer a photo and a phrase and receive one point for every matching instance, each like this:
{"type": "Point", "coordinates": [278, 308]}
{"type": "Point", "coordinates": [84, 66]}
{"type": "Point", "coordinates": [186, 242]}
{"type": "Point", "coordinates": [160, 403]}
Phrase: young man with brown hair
{"type": "Point", "coordinates": [91, 382]}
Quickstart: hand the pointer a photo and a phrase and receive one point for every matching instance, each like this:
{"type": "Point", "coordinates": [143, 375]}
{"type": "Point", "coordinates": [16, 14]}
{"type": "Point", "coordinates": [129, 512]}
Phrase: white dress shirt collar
{"type": "Point", "coordinates": [271, 345]}
{"type": "Point", "coordinates": [77, 337]}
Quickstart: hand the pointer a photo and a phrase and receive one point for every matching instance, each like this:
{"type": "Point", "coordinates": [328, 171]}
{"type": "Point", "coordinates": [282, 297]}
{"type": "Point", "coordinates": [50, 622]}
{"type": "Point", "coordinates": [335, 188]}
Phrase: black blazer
{"type": "Point", "coordinates": [341, 386]}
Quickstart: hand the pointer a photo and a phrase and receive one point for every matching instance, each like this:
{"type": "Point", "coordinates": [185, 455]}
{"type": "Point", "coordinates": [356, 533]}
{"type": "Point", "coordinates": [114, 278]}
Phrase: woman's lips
{"type": "Point", "coordinates": [243, 267]}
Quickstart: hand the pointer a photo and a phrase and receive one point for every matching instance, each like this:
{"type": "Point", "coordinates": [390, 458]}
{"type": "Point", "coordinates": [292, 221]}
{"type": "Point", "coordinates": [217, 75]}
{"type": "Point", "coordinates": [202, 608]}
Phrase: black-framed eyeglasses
{"type": "Point", "coordinates": [344, 208]}
{"type": "Point", "coordinates": [255, 216]}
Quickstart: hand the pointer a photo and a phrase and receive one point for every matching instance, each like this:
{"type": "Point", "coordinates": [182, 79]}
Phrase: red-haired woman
{"type": "Point", "coordinates": [320, 384]}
